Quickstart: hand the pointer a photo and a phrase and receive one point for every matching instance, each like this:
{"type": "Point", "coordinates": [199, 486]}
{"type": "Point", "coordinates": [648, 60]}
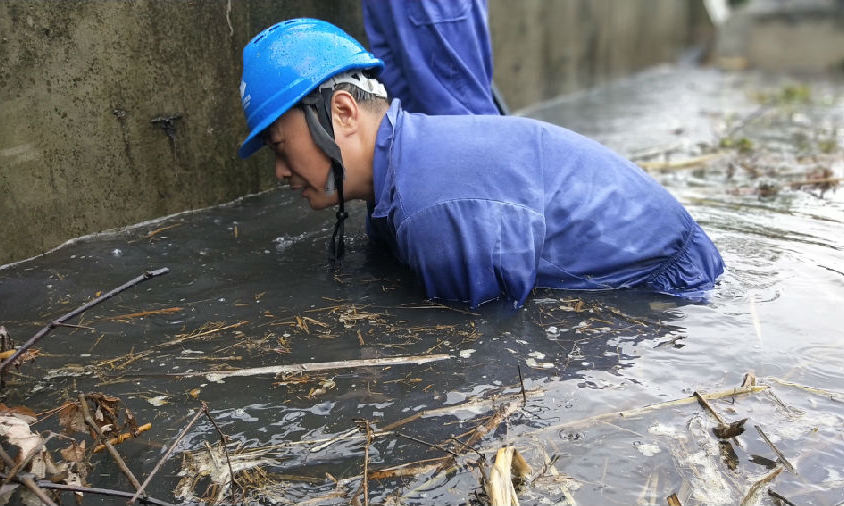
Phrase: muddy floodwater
{"type": "Point", "coordinates": [608, 414]}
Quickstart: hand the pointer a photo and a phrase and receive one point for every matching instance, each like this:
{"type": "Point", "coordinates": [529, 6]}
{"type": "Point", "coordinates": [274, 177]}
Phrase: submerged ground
{"type": "Point", "coordinates": [755, 158]}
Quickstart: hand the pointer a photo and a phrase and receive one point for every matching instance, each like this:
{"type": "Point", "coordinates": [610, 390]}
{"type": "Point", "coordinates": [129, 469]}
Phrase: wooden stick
{"type": "Point", "coordinates": [823, 180]}
{"type": "Point", "coordinates": [145, 313]}
{"type": "Point", "coordinates": [522, 383]}
{"type": "Point", "coordinates": [314, 366]}
{"type": "Point", "coordinates": [495, 420]}
{"type": "Point", "coordinates": [81, 309]}
{"type": "Point", "coordinates": [833, 396]}
{"type": "Point", "coordinates": [754, 489]}
{"type": "Point", "coordinates": [72, 326]}
{"type": "Point", "coordinates": [703, 402]}
{"type": "Point", "coordinates": [100, 491]}
{"type": "Point", "coordinates": [123, 437]}
{"type": "Point", "coordinates": [86, 414]}
{"type": "Point", "coordinates": [165, 457]}
{"type": "Point", "coordinates": [26, 480]}
{"type": "Point", "coordinates": [366, 464]}
{"type": "Point", "coordinates": [431, 445]}
{"type": "Point", "coordinates": [364, 485]}
{"type": "Point", "coordinates": [780, 455]}
{"type": "Point", "coordinates": [412, 469]}
{"type": "Point", "coordinates": [223, 443]}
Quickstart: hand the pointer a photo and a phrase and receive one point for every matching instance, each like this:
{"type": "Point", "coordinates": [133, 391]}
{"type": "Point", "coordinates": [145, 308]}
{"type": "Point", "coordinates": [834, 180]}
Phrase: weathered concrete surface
{"type": "Point", "coordinates": [82, 83]}
{"type": "Point", "coordinates": [546, 48]}
{"type": "Point", "coordinates": [804, 36]}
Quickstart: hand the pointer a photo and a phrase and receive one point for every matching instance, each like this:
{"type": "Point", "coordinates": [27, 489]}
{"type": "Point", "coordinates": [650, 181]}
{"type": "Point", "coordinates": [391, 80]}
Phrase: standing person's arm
{"type": "Point", "coordinates": [385, 43]}
{"type": "Point", "coordinates": [438, 53]}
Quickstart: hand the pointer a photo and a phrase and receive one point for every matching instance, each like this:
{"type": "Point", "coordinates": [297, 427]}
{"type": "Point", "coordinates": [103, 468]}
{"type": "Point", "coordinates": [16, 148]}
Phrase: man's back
{"type": "Point", "coordinates": [486, 204]}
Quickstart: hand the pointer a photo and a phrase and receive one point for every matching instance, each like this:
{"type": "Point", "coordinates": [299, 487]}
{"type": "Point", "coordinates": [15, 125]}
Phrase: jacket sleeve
{"type": "Point", "coordinates": [474, 250]}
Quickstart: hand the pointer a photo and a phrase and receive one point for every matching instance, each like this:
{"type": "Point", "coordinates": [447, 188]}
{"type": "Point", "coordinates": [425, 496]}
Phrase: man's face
{"type": "Point", "coordinates": [298, 159]}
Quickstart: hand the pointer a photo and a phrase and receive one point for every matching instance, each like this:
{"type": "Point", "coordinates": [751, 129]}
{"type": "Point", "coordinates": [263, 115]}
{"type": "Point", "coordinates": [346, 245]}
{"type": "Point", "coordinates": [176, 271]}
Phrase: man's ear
{"type": "Point", "coordinates": [345, 113]}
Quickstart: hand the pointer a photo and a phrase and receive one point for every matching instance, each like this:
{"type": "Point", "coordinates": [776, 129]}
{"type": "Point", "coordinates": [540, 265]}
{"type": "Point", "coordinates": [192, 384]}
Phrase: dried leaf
{"type": "Point", "coordinates": [108, 408]}
{"type": "Point", "coordinates": [728, 453]}
{"type": "Point", "coordinates": [130, 421]}
{"type": "Point", "coordinates": [158, 400]}
{"type": "Point", "coordinates": [22, 412]}
{"type": "Point", "coordinates": [71, 419]}
{"type": "Point", "coordinates": [18, 433]}
{"type": "Point", "coordinates": [732, 430]}
{"type": "Point", "coordinates": [74, 452]}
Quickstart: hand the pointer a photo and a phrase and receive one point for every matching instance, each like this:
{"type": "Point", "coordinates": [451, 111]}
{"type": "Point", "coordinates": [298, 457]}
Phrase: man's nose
{"type": "Point", "coordinates": [281, 169]}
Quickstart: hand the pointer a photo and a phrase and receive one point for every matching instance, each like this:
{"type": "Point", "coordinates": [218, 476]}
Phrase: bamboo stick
{"type": "Point", "coordinates": [315, 366]}
{"type": "Point", "coordinates": [116, 440]}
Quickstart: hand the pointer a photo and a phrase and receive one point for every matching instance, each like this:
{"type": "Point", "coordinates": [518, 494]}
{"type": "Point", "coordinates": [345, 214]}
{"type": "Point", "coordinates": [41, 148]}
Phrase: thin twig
{"type": "Point", "coordinates": [500, 415]}
{"type": "Point", "coordinates": [364, 424]}
{"type": "Point", "coordinates": [161, 462]}
{"type": "Point", "coordinates": [26, 480]}
{"type": "Point", "coordinates": [99, 491]}
{"type": "Point", "coordinates": [86, 413]}
{"type": "Point", "coordinates": [461, 443]}
{"type": "Point", "coordinates": [754, 489]}
{"type": "Point", "coordinates": [72, 326]}
{"type": "Point", "coordinates": [780, 455]}
{"type": "Point", "coordinates": [432, 445]}
{"type": "Point", "coordinates": [225, 449]}
{"type": "Point", "coordinates": [81, 309]}
{"type": "Point", "coordinates": [522, 383]}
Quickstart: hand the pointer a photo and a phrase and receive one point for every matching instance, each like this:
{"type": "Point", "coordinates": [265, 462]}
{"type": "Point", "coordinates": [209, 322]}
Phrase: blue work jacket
{"type": "Point", "coordinates": [484, 206]}
{"type": "Point", "coordinates": [437, 53]}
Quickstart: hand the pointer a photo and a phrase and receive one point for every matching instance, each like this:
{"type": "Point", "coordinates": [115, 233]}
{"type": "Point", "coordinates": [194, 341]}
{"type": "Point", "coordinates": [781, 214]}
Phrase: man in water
{"type": "Point", "coordinates": [478, 206]}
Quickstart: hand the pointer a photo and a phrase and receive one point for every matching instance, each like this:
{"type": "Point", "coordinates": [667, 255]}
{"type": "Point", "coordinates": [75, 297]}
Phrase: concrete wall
{"type": "Point", "coordinates": [115, 112]}
{"type": "Point", "coordinates": [796, 36]}
{"type": "Point", "coordinates": [547, 48]}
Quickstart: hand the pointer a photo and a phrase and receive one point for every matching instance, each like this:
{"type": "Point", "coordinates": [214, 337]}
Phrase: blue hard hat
{"type": "Point", "coordinates": [288, 60]}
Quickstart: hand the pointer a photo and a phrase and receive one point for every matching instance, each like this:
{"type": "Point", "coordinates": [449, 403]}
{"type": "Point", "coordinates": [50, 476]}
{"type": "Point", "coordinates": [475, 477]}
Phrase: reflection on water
{"type": "Point", "coordinates": [248, 287]}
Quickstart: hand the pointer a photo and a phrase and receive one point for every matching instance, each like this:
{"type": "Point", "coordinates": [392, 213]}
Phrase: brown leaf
{"type": "Point", "coordinates": [71, 419]}
{"type": "Point", "coordinates": [131, 421]}
{"type": "Point", "coordinates": [22, 412]}
{"type": "Point", "coordinates": [108, 409]}
{"type": "Point", "coordinates": [728, 431]}
{"type": "Point", "coordinates": [74, 452]}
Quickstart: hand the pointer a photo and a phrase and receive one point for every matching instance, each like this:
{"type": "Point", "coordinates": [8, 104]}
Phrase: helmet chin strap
{"type": "Point", "coordinates": [322, 132]}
